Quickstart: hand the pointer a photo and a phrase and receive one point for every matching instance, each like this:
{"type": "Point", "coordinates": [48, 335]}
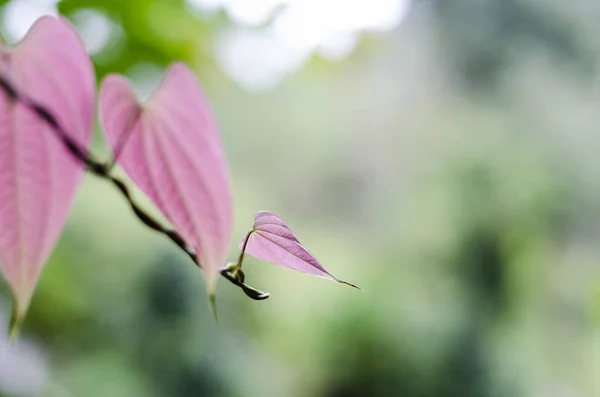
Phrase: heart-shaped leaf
{"type": "Point", "coordinates": [272, 240]}
{"type": "Point", "coordinates": [170, 147]}
{"type": "Point", "coordinates": [38, 176]}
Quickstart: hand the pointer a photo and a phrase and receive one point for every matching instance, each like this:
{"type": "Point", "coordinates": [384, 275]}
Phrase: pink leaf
{"type": "Point", "coordinates": [38, 177]}
{"type": "Point", "coordinates": [172, 151]}
{"type": "Point", "coordinates": [272, 240]}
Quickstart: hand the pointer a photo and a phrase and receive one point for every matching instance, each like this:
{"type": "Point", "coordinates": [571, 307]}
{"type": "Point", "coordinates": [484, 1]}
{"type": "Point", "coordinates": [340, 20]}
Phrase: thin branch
{"type": "Point", "coordinates": [104, 171]}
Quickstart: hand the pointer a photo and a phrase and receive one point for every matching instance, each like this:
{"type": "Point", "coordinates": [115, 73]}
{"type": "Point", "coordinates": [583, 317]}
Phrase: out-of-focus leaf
{"type": "Point", "coordinates": [272, 240]}
{"type": "Point", "coordinates": [172, 150]}
{"type": "Point", "coordinates": [38, 177]}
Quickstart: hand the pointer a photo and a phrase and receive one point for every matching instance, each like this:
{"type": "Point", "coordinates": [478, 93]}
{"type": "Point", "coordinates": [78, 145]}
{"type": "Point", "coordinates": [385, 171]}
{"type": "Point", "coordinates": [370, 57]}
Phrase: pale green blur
{"type": "Point", "coordinates": [449, 167]}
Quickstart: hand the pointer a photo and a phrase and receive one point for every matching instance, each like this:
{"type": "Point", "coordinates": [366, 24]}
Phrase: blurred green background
{"type": "Point", "coordinates": [442, 154]}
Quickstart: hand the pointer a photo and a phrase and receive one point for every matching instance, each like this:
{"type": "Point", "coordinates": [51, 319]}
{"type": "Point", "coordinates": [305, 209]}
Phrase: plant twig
{"type": "Point", "coordinates": [104, 171]}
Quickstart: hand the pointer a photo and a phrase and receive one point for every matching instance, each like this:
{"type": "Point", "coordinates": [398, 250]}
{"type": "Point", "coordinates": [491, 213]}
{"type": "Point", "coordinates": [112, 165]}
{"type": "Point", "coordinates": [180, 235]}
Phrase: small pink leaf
{"type": "Point", "coordinates": [272, 240]}
{"type": "Point", "coordinates": [38, 176]}
{"type": "Point", "coordinates": [172, 150]}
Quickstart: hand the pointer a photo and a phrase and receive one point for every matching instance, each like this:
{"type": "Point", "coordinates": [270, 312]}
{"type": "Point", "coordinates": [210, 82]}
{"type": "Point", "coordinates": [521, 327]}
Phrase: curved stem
{"type": "Point", "coordinates": [104, 171]}
{"type": "Point", "coordinates": [243, 251]}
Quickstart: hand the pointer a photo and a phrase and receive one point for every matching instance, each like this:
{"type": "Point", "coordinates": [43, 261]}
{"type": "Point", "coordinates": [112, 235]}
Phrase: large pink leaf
{"type": "Point", "coordinates": [272, 240]}
{"type": "Point", "coordinates": [38, 177]}
{"type": "Point", "coordinates": [172, 151]}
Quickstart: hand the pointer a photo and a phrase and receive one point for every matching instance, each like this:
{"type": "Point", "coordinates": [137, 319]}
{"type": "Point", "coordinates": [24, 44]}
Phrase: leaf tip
{"type": "Point", "coordinates": [13, 334]}
{"type": "Point", "coordinates": [212, 301]}
{"type": "Point", "coordinates": [16, 320]}
{"type": "Point", "coordinates": [348, 283]}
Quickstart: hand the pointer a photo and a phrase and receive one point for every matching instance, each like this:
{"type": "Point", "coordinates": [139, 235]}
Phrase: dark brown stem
{"type": "Point", "coordinates": [104, 171]}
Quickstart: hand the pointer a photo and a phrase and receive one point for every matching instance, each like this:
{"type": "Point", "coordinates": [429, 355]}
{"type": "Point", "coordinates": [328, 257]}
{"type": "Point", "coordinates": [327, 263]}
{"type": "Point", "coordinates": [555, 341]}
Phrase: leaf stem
{"type": "Point", "coordinates": [104, 171]}
{"type": "Point", "coordinates": [243, 250]}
